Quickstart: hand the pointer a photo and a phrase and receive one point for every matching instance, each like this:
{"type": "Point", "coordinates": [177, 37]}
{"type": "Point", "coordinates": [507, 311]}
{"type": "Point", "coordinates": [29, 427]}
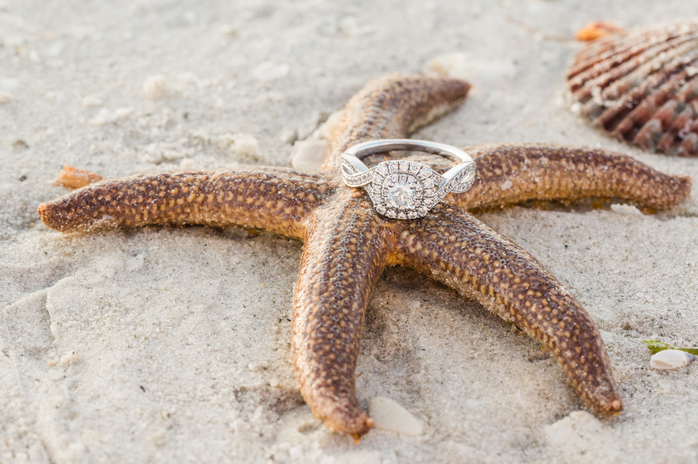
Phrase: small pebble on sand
{"type": "Point", "coordinates": [391, 416]}
{"type": "Point", "coordinates": [154, 87]}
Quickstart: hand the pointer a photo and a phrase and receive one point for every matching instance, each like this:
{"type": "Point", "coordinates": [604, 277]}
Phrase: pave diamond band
{"type": "Point", "coordinates": [404, 189]}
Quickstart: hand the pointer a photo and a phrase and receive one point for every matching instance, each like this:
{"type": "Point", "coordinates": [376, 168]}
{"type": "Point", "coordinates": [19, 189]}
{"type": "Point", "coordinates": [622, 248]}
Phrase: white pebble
{"type": "Point", "coordinates": [269, 71]}
{"type": "Point", "coordinates": [671, 359]}
{"type": "Point", "coordinates": [5, 97]}
{"type": "Point", "coordinates": [628, 210]}
{"type": "Point", "coordinates": [154, 87]}
{"type": "Point", "coordinates": [308, 155]}
{"type": "Point", "coordinates": [389, 415]}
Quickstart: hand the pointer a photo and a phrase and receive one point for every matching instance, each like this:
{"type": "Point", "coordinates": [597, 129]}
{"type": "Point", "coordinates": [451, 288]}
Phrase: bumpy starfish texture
{"type": "Point", "coordinates": [347, 244]}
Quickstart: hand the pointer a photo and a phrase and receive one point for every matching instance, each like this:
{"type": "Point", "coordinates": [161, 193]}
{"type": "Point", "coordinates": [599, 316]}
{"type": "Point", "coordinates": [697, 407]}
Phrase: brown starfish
{"type": "Point", "coordinates": [347, 244]}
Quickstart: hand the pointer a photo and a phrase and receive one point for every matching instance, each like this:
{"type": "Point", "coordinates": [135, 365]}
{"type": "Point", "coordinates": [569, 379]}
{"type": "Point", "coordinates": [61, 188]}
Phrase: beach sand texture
{"type": "Point", "coordinates": [172, 345]}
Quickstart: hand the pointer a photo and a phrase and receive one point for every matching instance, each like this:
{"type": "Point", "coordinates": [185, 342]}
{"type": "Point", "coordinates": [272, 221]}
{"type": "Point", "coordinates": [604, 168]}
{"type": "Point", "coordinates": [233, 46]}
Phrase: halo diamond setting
{"type": "Point", "coordinates": [403, 189]}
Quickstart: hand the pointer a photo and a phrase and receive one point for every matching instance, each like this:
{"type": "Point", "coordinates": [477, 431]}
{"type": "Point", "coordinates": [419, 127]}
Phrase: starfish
{"type": "Point", "coordinates": [347, 244]}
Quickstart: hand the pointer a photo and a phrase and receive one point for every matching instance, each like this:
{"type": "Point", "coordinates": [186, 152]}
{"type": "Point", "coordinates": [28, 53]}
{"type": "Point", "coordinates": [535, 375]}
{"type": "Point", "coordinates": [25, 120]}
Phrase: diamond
{"type": "Point", "coordinates": [399, 193]}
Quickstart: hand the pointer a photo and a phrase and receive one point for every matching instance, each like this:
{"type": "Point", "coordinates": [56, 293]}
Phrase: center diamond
{"type": "Point", "coordinates": [401, 192]}
{"type": "Point", "coordinates": [402, 189]}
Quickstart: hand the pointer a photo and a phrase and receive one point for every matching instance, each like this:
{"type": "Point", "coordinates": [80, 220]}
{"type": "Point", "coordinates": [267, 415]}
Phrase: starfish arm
{"type": "Point", "coordinates": [393, 107]}
{"type": "Point", "coordinates": [453, 247]}
{"type": "Point", "coordinates": [508, 174]}
{"type": "Point", "coordinates": [343, 255]}
{"type": "Point", "coordinates": [274, 199]}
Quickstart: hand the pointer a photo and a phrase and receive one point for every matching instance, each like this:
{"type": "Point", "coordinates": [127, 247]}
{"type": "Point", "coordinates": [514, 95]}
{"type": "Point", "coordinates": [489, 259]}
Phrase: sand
{"type": "Point", "coordinates": [172, 345]}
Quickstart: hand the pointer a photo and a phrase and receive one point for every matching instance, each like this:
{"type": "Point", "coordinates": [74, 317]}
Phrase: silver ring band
{"type": "Point", "coordinates": [404, 189]}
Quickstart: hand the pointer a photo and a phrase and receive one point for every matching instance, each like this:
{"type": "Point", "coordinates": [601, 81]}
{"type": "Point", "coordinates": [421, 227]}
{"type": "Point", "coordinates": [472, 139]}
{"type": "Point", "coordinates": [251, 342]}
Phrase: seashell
{"type": "Point", "coordinates": [671, 359]}
{"type": "Point", "coordinates": [389, 415]}
{"type": "Point", "coordinates": [74, 178]}
{"type": "Point", "coordinates": [309, 154]}
{"type": "Point", "coordinates": [642, 87]}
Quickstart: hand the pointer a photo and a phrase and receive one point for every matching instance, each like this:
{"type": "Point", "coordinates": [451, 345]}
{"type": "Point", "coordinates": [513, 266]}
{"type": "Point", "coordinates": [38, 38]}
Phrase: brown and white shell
{"type": "Point", "coordinates": [642, 87]}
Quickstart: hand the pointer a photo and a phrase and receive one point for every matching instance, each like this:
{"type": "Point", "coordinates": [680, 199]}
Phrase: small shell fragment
{"type": "Point", "coordinates": [74, 178]}
{"type": "Point", "coordinates": [597, 29]}
{"type": "Point", "coordinates": [641, 86]}
{"type": "Point", "coordinates": [628, 210]}
{"type": "Point", "coordinates": [671, 359]}
{"type": "Point", "coordinates": [389, 415]}
{"type": "Point", "coordinates": [308, 155]}
{"type": "Point", "coordinates": [154, 87]}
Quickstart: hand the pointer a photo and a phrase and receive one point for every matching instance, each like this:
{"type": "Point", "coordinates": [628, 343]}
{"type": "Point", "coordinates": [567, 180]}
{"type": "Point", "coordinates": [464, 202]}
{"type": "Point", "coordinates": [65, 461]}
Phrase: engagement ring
{"type": "Point", "coordinates": [404, 189]}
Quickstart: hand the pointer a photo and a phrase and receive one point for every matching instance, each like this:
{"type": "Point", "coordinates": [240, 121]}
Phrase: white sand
{"type": "Point", "coordinates": [163, 345]}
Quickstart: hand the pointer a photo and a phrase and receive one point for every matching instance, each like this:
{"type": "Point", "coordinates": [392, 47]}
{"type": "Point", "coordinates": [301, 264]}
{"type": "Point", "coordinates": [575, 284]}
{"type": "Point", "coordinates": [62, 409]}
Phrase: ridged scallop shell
{"type": "Point", "coordinates": [642, 87]}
